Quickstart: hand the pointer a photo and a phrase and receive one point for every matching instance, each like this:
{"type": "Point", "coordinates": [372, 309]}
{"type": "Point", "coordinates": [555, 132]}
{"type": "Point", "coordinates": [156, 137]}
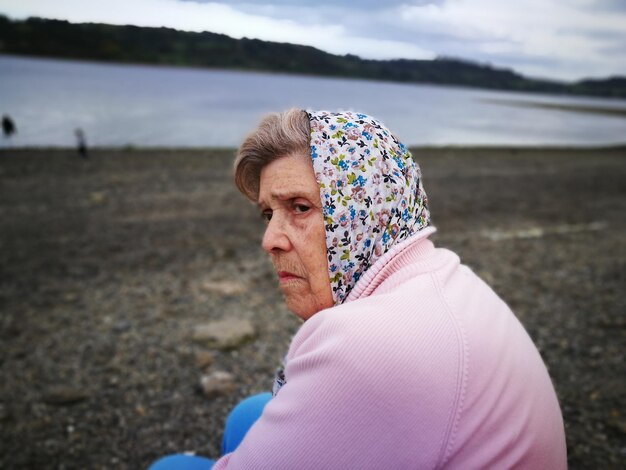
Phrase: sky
{"type": "Point", "coordinates": [554, 39]}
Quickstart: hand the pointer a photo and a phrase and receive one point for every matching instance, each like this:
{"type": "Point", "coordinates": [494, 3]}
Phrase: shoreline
{"type": "Point", "coordinates": [603, 110]}
{"type": "Point", "coordinates": [413, 148]}
{"type": "Point", "coordinates": [287, 73]}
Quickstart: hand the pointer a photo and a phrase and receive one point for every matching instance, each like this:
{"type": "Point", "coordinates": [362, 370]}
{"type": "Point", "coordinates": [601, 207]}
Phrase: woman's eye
{"type": "Point", "coordinates": [266, 215]}
{"type": "Point", "coordinates": [300, 208]}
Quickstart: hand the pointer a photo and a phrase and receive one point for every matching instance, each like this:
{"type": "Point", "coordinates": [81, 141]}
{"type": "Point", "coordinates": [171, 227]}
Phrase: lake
{"type": "Point", "coordinates": [158, 106]}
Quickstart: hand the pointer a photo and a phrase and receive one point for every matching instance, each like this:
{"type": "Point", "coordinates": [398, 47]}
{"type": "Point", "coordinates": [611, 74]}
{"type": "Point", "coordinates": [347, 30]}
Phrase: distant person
{"type": "Point", "coordinates": [8, 126]}
{"type": "Point", "coordinates": [81, 143]}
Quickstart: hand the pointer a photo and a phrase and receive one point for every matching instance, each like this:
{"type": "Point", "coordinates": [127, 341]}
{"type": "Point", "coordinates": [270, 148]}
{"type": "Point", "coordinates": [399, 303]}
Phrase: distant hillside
{"type": "Point", "coordinates": [52, 38]}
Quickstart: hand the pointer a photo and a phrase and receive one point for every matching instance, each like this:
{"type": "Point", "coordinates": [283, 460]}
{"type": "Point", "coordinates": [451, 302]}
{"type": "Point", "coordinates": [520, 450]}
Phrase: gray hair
{"type": "Point", "coordinates": [277, 135]}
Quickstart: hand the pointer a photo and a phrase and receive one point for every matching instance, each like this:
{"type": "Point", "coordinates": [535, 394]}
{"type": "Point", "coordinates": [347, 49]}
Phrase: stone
{"type": "Point", "coordinates": [218, 383]}
{"type": "Point", "coordinates": [65, 395]}
{"type": "Point", "coordinates": [223, 287]}
{"type": "Point", "coordinates": [204, 359]}
{"type": "Point", "coordinates": [224, 334]}
{"type": "Point", "coordinates": [97, 197]}
{"type": "Point", "coordinates": [121, 326]}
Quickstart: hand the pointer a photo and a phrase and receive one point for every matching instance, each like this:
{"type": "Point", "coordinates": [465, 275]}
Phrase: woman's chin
{"type": "Point", "coordinates": [301, 306]}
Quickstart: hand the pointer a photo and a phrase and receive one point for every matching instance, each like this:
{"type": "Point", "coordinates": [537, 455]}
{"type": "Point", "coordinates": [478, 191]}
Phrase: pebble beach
{"type": "Point", "coordinates": [117, 270]}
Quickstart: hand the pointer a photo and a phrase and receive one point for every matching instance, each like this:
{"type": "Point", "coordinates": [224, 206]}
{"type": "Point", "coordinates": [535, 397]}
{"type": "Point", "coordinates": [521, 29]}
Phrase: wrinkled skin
{"type": "Point", "coordinates": [295, 238]}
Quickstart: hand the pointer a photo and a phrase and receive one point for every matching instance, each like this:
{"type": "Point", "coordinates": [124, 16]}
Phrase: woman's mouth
{"type": "Point", "coordinates": [286, 276]}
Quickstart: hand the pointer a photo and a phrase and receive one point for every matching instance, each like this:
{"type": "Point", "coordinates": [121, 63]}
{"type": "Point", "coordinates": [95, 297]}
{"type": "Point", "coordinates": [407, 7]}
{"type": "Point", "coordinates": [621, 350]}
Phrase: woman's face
{"type": "Point", "coordinates": [289, 200]}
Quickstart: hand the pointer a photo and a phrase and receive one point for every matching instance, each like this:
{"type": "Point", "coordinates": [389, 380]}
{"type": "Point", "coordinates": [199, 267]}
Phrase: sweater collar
{"type": "Point", "coordinates": [416, 251]}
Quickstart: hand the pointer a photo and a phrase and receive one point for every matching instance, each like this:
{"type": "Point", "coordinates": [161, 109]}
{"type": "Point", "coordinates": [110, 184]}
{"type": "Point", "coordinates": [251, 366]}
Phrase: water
{"type": "Point", "coordinates": [119, 105]}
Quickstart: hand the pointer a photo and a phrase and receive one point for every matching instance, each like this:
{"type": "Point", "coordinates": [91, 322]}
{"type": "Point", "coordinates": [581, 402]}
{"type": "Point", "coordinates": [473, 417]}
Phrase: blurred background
{"type": "Point", "coordinates": [136, 305]}
{"type": "Point", "coordinates": [439, 73]}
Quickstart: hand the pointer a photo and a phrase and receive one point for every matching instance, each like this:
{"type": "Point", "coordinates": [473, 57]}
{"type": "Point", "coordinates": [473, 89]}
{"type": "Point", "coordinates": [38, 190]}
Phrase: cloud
{"type": "Point", "coordinates": [565, 33]}
{"type": "Point", "coordinates": [352, 5]}
{"type": "Point", "coordinates": [330, 36]}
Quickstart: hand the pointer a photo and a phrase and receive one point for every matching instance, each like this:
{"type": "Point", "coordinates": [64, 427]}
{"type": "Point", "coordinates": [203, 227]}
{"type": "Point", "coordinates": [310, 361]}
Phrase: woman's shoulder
{"type": "Point", "coordinates": [405, 367]}
{"type": "Point", "coordinates": [405, 337]}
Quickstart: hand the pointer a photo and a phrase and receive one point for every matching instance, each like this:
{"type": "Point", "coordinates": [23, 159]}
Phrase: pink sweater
{"type": "Point", "coordinates": [423, 367]}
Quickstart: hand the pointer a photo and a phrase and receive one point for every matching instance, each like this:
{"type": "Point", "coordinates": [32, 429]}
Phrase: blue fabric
{"type": "Point", "coordinates": [182, 462]}
{"type": "Point", "coordinates": [240, 419]}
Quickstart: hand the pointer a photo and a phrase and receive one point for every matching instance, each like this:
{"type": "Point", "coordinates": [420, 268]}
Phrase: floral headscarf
{"type": "Point", "coordinates": [371, 193]}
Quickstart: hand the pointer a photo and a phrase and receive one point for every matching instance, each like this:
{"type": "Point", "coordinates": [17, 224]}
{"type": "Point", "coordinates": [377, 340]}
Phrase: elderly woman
{"type": "Point", "coordinates": [406, 359]}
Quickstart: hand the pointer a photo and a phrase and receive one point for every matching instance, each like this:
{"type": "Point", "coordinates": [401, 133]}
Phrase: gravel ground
{"type": "Point", "coordinates": [106, 267]}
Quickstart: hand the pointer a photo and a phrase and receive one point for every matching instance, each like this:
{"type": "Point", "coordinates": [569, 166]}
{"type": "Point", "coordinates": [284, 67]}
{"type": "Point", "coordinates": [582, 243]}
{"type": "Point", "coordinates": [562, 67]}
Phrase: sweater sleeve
{"type": "Point", "coordinates": [361, 392]}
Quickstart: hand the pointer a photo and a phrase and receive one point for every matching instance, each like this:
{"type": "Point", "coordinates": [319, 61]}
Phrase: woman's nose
{"type": "Point", "coordinates": [275, 237]}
